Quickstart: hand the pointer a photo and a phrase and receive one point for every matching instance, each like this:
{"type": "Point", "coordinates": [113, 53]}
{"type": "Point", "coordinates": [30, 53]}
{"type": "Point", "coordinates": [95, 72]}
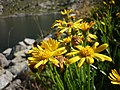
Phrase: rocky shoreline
{"type": "Point", "coordinates": [14, 66]}
{"type": "Point", "coordinates": [14, 70]}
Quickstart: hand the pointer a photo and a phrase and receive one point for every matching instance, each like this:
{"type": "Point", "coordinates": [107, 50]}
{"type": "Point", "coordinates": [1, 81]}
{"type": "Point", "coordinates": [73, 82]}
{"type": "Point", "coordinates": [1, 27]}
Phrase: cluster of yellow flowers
{"type": "Point", "coordinates": [71, 46]}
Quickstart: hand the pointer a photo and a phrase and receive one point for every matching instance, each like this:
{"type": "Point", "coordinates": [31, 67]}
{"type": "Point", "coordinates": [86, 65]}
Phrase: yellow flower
{"type": "Point", "coordinates": [88, 54]}
{"type": "Point", "coordinates": [59, 24]}
{"type": "Point", "coordinates": [112, 2]}
{"type": "Point", "coordinates": [90, 37]}
{"type": "Point", "coordinates": [114, 77]}
{"type": "Point", "coordinates": [104, 3]}
{"type": "Point", "coordinates": [66, 12]}
{"type": "Point", "coordinates": [45, 52]}
{"type": "Point", "coordinates": [66, 40]}
{"type": "Point", "coordinates": [84, 26]}
{"type": "Point", "coordinates": [64, 26]}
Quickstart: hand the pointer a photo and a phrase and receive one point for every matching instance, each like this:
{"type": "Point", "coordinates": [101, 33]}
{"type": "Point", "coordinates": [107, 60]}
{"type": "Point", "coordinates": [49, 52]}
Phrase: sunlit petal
{"type": "Point", "coordinates": [92, 36]}
{"type": "Point", "coordinates": [54, 61]}
{"type": "Point", "coordinates": [32, 59]}
{"type": "Point", "coordinates": [89, 60]}
{"type": "Point", "coordinates": [82, 60]}
{"type": "Point", "coordinates": [95, 45]}
{"type": "Point", "coordinates": [79, 47]}
{"type": "Point", "coordinates": [63, 30]}
{"type": "Point", "coordinates": [73, 59]}
{"type": "Point", "coordinates": [42, 62]}
{"type": "Point", "coordinates": [99, 57]}
{"type": "Point", "coordinates": [101, 48]}
{"type": "Point", "coordinates": [72, 53]}
{"type": "Point", "coordinates": [114, 82]}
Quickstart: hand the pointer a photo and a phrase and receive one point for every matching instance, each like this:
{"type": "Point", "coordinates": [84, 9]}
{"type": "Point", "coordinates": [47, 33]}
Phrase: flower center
{"type": "Point", "coordinates": [87, 51]}
{"type": "Point", "coordinates": [44, 54]}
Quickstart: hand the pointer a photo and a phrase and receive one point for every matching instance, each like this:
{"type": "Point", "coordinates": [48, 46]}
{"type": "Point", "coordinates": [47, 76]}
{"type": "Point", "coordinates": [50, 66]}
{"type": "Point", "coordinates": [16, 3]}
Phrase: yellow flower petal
{"type": "Point", "coordinates": [72, 53]}
{"type": "Point", "coordinates": [39, 47]}
{"type": "Point", "coordinates": [73, 59]}
{"type": "Point", "coordinates": [95, 45]}
{"type": "Point", "coordinates": [79, 47]}
{"type": "Point", "coordinates": [32, 58]}
{"type": "Point", "coordinates": [89, 60]}
{"type": "Point", "coordinates": [113, 82]}
{"type": "Point", "coordinates": [42, 62]}
{"type": "Point", "coordinates": [101, 48]}
{"type": "Point", "coordinates": [82, 60]}
{"type": "Point", "coordinates": [59, 51]}
{"type": "Point", "coordinates": [112, 77]}
{"type": "Point", "coordinates": [54, 61]}
{"type": "Point", "coordinates": [115, 74]}
{"type": "Point", "coordinates": [92, 36]}
{"type": "Point", "coordinates": [99, 57]}
{"type": "Point", "coordinates": [106, 57]}
{"type": "Point", "coordinates": [63, 30]}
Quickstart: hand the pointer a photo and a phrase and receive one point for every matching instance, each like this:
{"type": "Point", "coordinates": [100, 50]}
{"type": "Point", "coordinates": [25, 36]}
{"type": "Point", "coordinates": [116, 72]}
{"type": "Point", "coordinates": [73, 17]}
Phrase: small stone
{"type": "Point", "coordinates": [20, 53]}
{"type": "Point", "coordinates": [18, 68]}
{"type": "Point", "coordinates": [29, 41]}
{"type": "Point", "coordinates": [5, 79]}
{"type": "Point", "coordinates": [3, 61]}
{"type": "Point", "coordinates": [18, 59]}
{"type": "Point", "coordinates": [15, 85]}
{"type": "Point", "coordinates": [22, 44]}
{"type": "Point", "coordinates": [7, 51]}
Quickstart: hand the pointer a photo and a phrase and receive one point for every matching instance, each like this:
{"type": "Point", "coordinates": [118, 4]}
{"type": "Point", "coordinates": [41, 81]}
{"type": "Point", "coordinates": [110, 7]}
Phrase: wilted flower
{"type": "Point", "coordinates": [62, 61]}
{"type": "Point", "coordinates": [114, 77]}
{"type": "Point", "coordinates": [87, 54]}
{"type": "Point", "coordinates": [76, 40]}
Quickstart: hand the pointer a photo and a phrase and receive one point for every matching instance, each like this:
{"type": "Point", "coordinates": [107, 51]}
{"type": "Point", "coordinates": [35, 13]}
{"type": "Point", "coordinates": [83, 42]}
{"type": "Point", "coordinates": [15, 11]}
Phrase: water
{"type": "Point", "coordinates": [13, 30]}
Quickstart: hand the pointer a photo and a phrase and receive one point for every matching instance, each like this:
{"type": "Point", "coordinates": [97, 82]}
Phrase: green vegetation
{"type": "Point", "coordinates": [81, 66]}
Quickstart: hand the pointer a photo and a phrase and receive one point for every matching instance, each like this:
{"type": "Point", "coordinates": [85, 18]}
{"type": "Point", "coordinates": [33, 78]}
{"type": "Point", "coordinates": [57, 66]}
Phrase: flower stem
{"type": "Point", "coordinates": [88, 76]}
{"type": "Point", "coordinates": [38, 76]}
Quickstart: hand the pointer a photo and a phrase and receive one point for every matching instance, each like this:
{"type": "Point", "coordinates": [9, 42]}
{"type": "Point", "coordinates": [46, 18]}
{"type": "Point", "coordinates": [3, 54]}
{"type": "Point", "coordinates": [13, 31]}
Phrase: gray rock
{"type": "Point", "coordinates": [20, 53]}
{"type": "Point", "coordinates": [18, 68]}
{"type": "Point", "coordinates": [5, 78]}
{"type": "Point", "coordinates": [3, 61]}
{"type": "Point", "coordinates": [2, 71]}
{"type": "Point", "coordinates": [22, 44]}
{"type": "Point", "coordinates": [29, 41]}
{"type": "Point", "coordinates": [19, 48]}
{"type": "Point", "coordinates": [18, 59]}
{"type": "Point", "coordinates": [7, 51]}
{"type": "Point", "coordinates": [15, 85]}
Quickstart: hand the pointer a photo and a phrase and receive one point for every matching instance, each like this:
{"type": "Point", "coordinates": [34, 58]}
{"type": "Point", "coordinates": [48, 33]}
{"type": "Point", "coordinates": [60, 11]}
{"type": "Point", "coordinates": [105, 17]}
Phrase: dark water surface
{"type": "Point", "coordinates": [13, 30]}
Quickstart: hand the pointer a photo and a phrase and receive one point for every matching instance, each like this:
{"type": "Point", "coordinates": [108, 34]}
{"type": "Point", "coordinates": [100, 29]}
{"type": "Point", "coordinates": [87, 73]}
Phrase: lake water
{"type": "Point", "coordinates": [13, 30]}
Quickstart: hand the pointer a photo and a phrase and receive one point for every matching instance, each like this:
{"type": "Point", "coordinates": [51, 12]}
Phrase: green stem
{"type": "Point", "coordinates": [58, 79]}
{"type": "Point", "coordinates": [38, 76]}
{"type": "Point", "coordinates": [69, 85]}
{"type": "Point", "coordinates": [51, 74]}
{"type": "Point", "coordinates": [82, 74]}
{"type": "Point", "coordinates": [88, 76]}
{"type": "Point", "coordinates": [78, 74]}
